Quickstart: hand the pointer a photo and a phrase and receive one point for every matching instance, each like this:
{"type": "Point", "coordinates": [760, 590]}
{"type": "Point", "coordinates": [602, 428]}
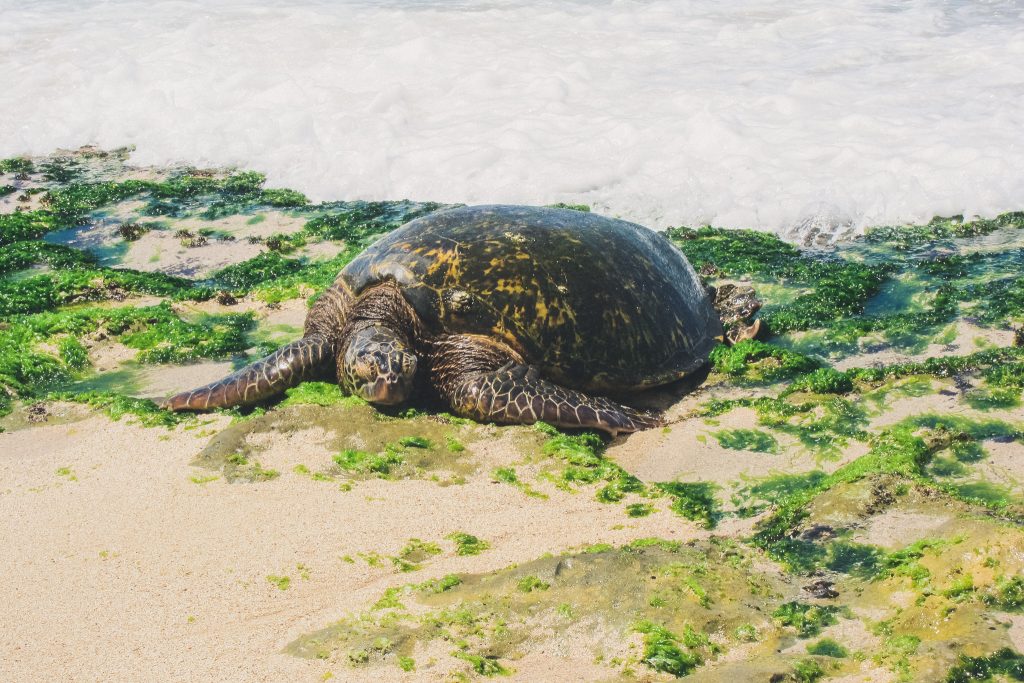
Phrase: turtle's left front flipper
{"type": "Point", "coordinates": [305, 359]}
{"type": "Point", "coordinates": [517, 394]}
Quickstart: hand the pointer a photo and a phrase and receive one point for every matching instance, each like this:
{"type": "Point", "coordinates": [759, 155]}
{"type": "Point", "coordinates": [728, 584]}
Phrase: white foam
{"type": "Point", "coordinates": [754, 114]}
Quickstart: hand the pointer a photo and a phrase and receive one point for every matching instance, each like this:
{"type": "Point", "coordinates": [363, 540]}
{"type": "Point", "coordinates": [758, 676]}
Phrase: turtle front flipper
{"type": "Point", "coordinates": [308, 358]}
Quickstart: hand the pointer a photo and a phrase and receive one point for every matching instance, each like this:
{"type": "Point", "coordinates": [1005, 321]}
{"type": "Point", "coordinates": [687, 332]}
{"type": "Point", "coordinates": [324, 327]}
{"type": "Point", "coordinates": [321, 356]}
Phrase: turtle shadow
{"type": "Point", "coordinates": [662, 398]}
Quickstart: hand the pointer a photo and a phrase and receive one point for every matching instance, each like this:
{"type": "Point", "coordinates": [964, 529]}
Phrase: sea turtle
{"type": "Point", "coordinates": [510, 314]}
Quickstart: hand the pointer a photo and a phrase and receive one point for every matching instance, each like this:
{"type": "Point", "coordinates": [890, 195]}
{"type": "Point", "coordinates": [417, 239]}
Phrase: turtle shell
{"type": "Point", "coordinates": [595, 303]}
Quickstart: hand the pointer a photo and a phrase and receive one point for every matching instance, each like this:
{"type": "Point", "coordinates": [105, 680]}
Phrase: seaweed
{"type": "Point", "coordinates": [807, 619]}
{"type": "Point", "coordinates": [319, 394]}
{"type": "Point", "coordinates": [754, 498]}
{"type": "Point", "coordinates": [941, 228]}
{"type": "Point", "coordinates": [467, 544]}
{"type": "Point", "coordinates": [746, 440]}
{"type": "Point", "coordinates": [47, 291]}
{"type": "Point", "coordinates": [483, 664]}
{"type": "Point", "coordinates": [116, 406]}
{"type": "Point", "coordinates": [21, 255]}
{"type": "Point", "coordinates": [823, 381]}
{"type": "Point", "coordinates": [742, 360]}
{"type": "Point", "coordinates": [903, 450]}
{"type": "Point", "coordinates": [358, 222]}
{"type": "Point", "coordinates": [17, 165]}
{"type": "Point", "coordinates": [807, 671]}
{"type": "Point", "coordinates": [156, 331]}
{"type": "Point", "coordinates": [22, 226]}
{"type": "Point", "coordinates": [841, 287]}
{"type": "Point", "coordinates": [695, 501]}
{"type": "Point", "coordinates": [586, 465]}
{"type": "Point", "coordinates": [826, 647]}
{"type": "Point", "coordinates": [663, 649]}
{"type": "Point", "coordinates": [259, 269]}
{"type": "Point", "coordinates": [1005, 662]}
{"type": "Point", "coordinates": [351, 460]}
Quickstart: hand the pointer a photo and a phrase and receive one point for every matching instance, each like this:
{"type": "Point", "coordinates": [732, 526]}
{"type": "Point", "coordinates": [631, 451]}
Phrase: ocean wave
{"type": "Point", "coordinates": [800, 118]}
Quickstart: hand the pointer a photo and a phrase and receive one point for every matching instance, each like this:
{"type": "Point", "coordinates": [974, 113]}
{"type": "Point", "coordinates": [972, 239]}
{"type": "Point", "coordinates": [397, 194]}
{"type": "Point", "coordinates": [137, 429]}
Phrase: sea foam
{"type": "Point", "coordinates": [795, 117]}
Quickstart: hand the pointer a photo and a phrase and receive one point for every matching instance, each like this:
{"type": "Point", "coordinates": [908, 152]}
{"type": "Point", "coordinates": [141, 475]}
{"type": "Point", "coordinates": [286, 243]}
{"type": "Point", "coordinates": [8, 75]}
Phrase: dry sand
{"type": "Point", "coordinates": [122, 568]}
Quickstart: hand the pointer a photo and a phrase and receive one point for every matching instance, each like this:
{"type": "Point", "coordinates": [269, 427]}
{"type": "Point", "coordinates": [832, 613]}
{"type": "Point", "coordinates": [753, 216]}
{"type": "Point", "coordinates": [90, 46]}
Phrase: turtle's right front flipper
{"type": "Point", "coordinates": [308, 358]}
{"type": "Point", "coordinates": [517, 394]}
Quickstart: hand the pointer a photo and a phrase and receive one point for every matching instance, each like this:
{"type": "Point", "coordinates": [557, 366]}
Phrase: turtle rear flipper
{"type": "Point", "coordinates": [485, 380]}
{"type": "Point", "coordinates": [516, 394]}
{"type": "Point", "coordinates": [308, 358]}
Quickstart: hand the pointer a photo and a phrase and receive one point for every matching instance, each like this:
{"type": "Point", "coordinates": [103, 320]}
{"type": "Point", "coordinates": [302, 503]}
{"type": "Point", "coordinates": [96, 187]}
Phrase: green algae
{"type": "Point", "coordinates": [822, 425]}
{"type": "Point", "coordinates": [823, 381]}
{"type": "Point", "coordinates": [259, 269]}
{"type": "Point", "coordinates": [319, 394]}
{"type": "Point", "coordinates": [313, 276]}
{"type": "Point", "coordinates": [280, 582]}
{"type": "Point", "coordinates": [493, 614]}
{"type": "Point", "coordinates": [358, 222]}
{"type": "Point", "coordinates": [827, 647]}
{"type": "Point", "coordinates": [157, 332]}
{"type": "Point", "coordinates": [360, 462]}
{"type": "Point", "coordinates": [482, 664]}
{"type": "Point", "coordinates": [1004, 662]}
{"type": "Point", "coordinates": [839, 287]}
{"type": "Point", "coordinates": [695, 501]}
{"type": "Point", "coordinates": [365, 443]}
{"type": "Point", "coordinates": [573, 207]}
{"type": "Point", "coordinates": [18, 256]}
{"type": "Point", "coordinates": [414, 553]}
{"type": "Point", "coordinates": [639, 509]}
{"type": "Point", "coordinates": [896, 651]}
{"type": "Point", "coordinates": [116, 406]}
{"type": "Point", "coordinates": [758, 361]}
{"type": "Point", "coordinates": [905, 450]}
{"type": "Point", "coordinates": [997, 398]}
{"type": "Point", "coordinates": [586, 465]}
{"type": "Point", "coordinates": [740, 439]}
{"type": "Point", "coordinates": [507, 475]}
{"type": "Point", "coordinates": [23, 226]}
{"type": "Point", "coordinates": [467, 544]}
{"type": "Point", "coordinates": [940, 228]}
{"type": "Point", "coordinates": [807, 671]}
{"type": "Point", "coordinates": [532, 583]}
{"type": "Point", "coordinates": [689, 602]}
{"type": "Point", "coordinates": [17, 165]}
{"type": "Point", "coordinates": [751, 499]}
{"type": "Point", "coordinates": [663, 649]}
{"type": "Point", "coordinates": [806, 619]}
{"type": "Point", "coordinates": [48, 291]}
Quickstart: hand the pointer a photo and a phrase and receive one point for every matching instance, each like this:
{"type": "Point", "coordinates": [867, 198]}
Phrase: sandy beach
{"type": "Point", "coordinates": [841, 500]}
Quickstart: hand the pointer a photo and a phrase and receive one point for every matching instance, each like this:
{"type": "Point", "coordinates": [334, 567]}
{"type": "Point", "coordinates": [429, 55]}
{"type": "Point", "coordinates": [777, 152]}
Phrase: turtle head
{"type": "Point", "coordinates": [377, 365]}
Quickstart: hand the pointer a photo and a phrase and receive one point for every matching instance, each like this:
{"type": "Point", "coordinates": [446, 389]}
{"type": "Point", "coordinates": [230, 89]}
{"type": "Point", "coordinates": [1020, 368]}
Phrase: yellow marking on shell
{"type": "Point", "coordinates": [510, 286]}
{"type": "Point", "coordinates": [494, 264]}
{"type": "Point", "coordinates": [443, 259]}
